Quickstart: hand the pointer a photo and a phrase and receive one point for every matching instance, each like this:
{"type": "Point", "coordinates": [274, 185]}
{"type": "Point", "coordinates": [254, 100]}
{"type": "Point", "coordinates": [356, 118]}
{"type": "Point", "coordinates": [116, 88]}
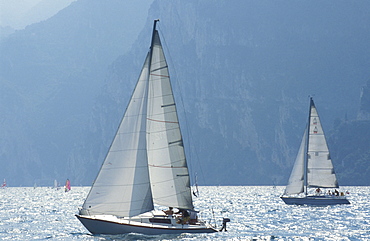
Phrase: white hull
{"type": "Point", "coordinates": [108, 224]}
{"type": "Point", "coordinates": [316, 200]}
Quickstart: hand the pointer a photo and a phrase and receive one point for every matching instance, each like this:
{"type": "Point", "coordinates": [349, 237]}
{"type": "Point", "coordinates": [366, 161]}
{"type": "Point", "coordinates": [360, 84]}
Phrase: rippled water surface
{"type": "Point", "coordinates": [256, 213]}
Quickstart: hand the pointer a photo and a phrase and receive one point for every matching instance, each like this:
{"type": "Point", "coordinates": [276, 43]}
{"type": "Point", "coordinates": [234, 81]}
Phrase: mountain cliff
{"type": "Point", "coordinates": [350, 142]}
{"type": "Point", "coordinates": [242, 72]}
{"type": "Point", "coordinates": [245, 71]}
{"type": "Point", "coordinates": [50, 74]}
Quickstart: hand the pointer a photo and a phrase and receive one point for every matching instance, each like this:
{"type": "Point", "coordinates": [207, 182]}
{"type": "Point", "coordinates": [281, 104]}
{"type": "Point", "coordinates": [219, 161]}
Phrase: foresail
{"type": "Point", "coordinates": [320, 171]}
{"type": "Point", "coordinates": [296, 179]}
{"type": "Point", "coordinates": [167, 164]}
{"type": "Point", "coordinates": [122, 186]}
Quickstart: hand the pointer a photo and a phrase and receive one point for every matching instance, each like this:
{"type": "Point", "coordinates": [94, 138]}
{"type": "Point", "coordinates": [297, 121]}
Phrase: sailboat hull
{"type": "Point", "coordinates": [122, 226]}
{"type": "Point", "coordinates": [315, 200]}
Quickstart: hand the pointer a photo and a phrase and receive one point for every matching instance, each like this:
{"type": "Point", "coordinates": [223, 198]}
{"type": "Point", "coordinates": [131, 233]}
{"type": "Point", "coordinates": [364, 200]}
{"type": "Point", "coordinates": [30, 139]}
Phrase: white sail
{"type": "Point", "coordinates": [122, 187]}
{"type": "Point", "coordinates": [169, 174]}
{"type": "Point", "coordinates": [296, 179]}
{"type": "Point", "coordinates": [145, 164]}
{"type": "Point", "coordinates": [320, 170]}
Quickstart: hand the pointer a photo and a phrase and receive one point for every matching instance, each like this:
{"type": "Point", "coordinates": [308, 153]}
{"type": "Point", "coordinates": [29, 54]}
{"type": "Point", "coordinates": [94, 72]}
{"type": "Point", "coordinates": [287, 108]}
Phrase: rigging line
{"type": "Point", "coordinates": [160, 75]}
{"type": "Point", "coordinates": [183, 106]}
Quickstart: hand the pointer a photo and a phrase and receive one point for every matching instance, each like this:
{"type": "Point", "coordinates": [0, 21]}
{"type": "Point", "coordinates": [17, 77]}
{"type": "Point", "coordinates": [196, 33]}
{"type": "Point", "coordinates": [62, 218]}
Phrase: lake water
{"type": "Point", "coordinates": [256, 213]}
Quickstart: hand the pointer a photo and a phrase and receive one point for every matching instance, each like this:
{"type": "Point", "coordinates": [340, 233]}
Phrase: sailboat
{"type": "Point", "coordinates": [313, 168]}
{"type": "Point", "coordinates": [67, 187]}
{"type": "Point", "coordinates": [4, 184]}
{"type": "Point", "coordinates": [56, 185]}
{"type": "Point", "coordinates": [146, 163]}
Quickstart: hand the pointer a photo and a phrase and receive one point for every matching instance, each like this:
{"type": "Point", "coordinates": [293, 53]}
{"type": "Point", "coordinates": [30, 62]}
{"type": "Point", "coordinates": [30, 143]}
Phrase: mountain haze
{"type": "Point", "coordinates": [242, 72]}
{"type": "Point", "coordinates": [51, 72]}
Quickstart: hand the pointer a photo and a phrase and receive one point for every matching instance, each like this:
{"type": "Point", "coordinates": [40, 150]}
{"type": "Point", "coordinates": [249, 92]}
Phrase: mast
{"type": "Point", "coordinates": [307, 144]}
{"type": "Point", "coordinates": [151, 46]}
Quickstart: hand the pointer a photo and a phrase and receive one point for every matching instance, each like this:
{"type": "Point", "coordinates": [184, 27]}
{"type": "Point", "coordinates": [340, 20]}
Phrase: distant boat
{"type": "Point", "coordinates": [4, 184]}
{"type": "Point", "coordinates": [56, 185]}
{"type": "Point", "coordinates": [313, 168]}
{"type": "Point", "coordinates": [145, 165]}
{"type": "Point", "coordinates": [67, 187]}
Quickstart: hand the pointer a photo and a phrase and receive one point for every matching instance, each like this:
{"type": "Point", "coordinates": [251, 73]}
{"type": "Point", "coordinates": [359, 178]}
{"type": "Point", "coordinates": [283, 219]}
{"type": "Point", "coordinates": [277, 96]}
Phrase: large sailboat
{"type": "Point", "coordinates": [314, 169]}
{"type": "Point", "coordinates": [145, 164]}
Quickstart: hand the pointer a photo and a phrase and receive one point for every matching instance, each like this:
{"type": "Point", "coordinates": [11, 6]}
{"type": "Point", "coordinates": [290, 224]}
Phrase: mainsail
{"type": "Point", "coordinates": [146, 161]}
{"type": "Point", "coordinates": [320, 170]}
{"type": "Point", "coordinates": [169, 174]}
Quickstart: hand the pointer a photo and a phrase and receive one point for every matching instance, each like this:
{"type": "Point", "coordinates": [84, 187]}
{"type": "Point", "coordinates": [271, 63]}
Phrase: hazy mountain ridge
{"type": "Point", "coordinates": [244, 78]}
{"type": "Point", "coordinates": [56, 68]}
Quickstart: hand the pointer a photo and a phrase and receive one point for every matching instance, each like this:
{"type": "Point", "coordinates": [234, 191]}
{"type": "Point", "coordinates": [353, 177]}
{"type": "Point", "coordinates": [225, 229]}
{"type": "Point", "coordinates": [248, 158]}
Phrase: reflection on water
{"type": "Point", "coordinates": [256, 213]}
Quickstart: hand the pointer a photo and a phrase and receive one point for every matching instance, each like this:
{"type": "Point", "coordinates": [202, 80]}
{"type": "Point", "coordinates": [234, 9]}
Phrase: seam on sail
{"type": "Point", "coordinates": [160, 131]}
{"type": "Point", "coordinates": [176, 194]}
{"type": "Point", "coordinates": [165, 166]}
{"type": "Point", "coordinates": [173, 122]}
{"type": "Point", "coordinates": [127, 150]}
{"type": "Point", "coordinates": [124, 133]}
{"type": "Point", "coordinates": [165, 112]}
{"type": "Point", "coordinates": [174, 162]}
{"type": "Point", "coordinates": [159, 75]}
{"type": "Point", "coordinates": [165, 147]}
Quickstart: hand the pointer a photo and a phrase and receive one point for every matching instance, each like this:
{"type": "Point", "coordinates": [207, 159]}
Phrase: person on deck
{"type": "Point", "coordinates": [193, 217]}
{"type": "Point", "coordinates": [336, 192]}
{"type": "Point", "coordinates": [169, 211]}
{"type": "Point", "coordinates": [184, 216]}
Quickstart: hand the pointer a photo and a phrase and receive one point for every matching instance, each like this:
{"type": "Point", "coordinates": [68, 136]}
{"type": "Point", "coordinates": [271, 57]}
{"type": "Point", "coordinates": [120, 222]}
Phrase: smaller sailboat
{"type": "Point", "coordinates": [4, 184]}
{"type": "Point", "coordinates": [56, 185]}
{"type": "Point", "coordinates": [314, 169]}
{"type": "Point", "coordinates": [67, 187]}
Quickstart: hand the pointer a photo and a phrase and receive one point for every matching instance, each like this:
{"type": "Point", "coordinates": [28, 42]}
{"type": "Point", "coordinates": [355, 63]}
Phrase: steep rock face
{"type": "Point", "coordinates": [350, 142]}
{"type": "Point", "coordinates": [364, 113]}
{"type": "Point", "coordinates": [243, 73]}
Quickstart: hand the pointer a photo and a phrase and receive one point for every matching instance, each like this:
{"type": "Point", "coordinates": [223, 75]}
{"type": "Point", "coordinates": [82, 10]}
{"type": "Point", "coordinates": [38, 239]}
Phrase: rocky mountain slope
{"type": "Point", "coordinates": [242, 72]}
